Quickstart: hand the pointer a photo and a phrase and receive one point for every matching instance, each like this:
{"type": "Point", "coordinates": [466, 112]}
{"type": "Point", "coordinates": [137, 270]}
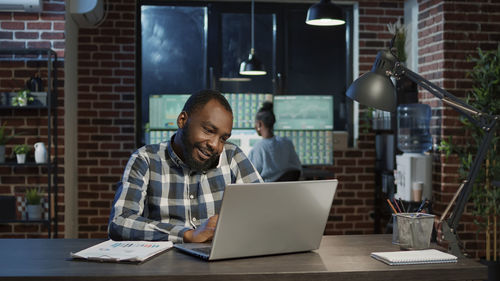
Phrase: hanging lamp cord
{"type": "Point", "coordinates": [252, 27]}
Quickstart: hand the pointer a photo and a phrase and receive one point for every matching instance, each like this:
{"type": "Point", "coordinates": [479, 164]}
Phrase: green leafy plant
{"type": "Point", "coordinates": [33, 196]}
{"type": "Point", "coordinates": [22, 149]}
{"type": "Point", "coordinates": [3, 138]}
{"type": "Point", "coordinates": [365, 119]}
{"type": "Point", "coordinates": [399, 30]}
{"type": "Point", "coordinates": [485, 195]}
{"type": "Point", "coordinates": [22, 98]}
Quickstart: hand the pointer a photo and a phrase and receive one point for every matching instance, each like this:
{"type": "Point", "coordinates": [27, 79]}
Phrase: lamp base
{"type": "Point", "coordinates": [451, 237]}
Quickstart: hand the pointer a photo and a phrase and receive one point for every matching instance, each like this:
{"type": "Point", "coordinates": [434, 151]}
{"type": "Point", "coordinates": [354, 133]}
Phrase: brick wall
{"type": "Point", "coordinates": [106, 93]}
{"type": "Point", "coordinates": [449, 32]}
{"type": "Point", "coordinates": [106, 116]}
{"type": "Point", "coordinates": [106, 119]}
{"type": "Point", "coordinates": [30, 30]}
{"type": "Point", "coordinates": [353, 208]}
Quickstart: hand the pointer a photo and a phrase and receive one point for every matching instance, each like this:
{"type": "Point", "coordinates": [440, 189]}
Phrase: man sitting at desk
{"type": "Point", "coordinates": [173, 190]}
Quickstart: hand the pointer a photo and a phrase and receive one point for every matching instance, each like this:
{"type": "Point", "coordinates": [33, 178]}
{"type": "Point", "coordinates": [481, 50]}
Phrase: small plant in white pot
{"type": "Point", "coordinates": [21, 151]}
{"type": "Point", "coordinates": [34, 204]}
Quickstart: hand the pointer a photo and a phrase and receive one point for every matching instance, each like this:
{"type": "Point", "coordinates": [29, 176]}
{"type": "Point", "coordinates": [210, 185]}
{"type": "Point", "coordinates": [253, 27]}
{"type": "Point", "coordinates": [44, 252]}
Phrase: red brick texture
{"type": "Point", "coordinates": [355, 168]}
{"type": "Point", "coordinates": [31, 30]}
{"type": "Point", "coordinates": [448, 32]}
{"type": "Point", "coordinates": [106, 110]}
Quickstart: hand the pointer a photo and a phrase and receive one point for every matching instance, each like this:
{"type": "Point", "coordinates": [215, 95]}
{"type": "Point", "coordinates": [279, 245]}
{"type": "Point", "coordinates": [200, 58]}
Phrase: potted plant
{"type": "Point", "coordinates": [21, 151]}
{"type": "Point", "coordinates": [3, 140]}
{"type": "Point", "coordinates": [22, 98]}
{"type": "Point", "coordinates": [33, 204]}
{"type": "Point", "coordinates": [399, 32]}
{"type": "Point", "coordinates": [486, 191]}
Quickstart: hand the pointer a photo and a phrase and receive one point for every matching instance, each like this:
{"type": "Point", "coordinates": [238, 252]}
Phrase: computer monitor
{"type": "Point", "coordinates": [164, 110]}
{"type": "Point", "coordinates": [303, 112]}
{"type": "Point", "coordinates": [245, 107]}
{"type": "Point", "coordinates": [157, 136]}
{"type": "Point", "coordinates": [244, 139]}
{"type": "Point", "coordinates": [312, 146]}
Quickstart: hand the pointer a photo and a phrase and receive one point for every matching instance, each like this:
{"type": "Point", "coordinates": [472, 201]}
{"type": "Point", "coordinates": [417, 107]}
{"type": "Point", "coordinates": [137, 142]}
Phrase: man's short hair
{"type": "Point", "coordinates": [198, 100]}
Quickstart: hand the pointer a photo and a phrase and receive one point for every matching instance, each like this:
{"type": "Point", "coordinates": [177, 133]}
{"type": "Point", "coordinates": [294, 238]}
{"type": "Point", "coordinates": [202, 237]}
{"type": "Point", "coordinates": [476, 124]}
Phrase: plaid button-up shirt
{"type": "Point", "coordinates": [160, 198]}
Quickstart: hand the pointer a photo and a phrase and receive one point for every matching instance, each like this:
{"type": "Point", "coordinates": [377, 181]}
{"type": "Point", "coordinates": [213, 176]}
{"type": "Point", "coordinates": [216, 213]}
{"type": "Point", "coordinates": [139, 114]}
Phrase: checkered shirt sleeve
{"type": "Point", "coordinates": [160, 198]}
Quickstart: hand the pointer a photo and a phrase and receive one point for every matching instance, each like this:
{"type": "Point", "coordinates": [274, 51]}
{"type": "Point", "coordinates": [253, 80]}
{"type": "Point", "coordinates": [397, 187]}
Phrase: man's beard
{"type": "Point", "coordinates": [188, 153]}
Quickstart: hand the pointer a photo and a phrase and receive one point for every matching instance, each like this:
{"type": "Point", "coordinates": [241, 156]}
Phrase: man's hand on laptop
{"type": "Point", "coordinates": [203, 233]}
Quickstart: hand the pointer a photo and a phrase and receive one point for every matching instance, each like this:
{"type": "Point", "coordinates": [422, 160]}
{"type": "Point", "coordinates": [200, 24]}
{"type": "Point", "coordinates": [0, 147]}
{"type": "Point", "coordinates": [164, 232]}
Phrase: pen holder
{"type": "Point", "coordinates": [414, 230]}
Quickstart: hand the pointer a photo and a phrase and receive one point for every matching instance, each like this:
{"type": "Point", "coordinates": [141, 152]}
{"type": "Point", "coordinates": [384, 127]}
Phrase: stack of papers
{"type": "Point", "coordinates": [414, 257]}
{"type": "Point", "coordinates": [122, 251]}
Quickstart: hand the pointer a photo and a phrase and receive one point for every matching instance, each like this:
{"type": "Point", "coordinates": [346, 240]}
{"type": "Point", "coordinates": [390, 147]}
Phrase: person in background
{"type": "Point", "coordinates": [173, 190]}
{"type": "Point", "coordinates": [274, 157]}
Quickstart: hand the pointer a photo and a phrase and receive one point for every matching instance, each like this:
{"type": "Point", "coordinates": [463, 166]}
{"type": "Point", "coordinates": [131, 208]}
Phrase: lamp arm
{"type": "Point", "coordinates": [451, 224]}
{"type": "Point", "coordinates": [473, 114]}
{"type": "Point", "coordinates": [486, 122]}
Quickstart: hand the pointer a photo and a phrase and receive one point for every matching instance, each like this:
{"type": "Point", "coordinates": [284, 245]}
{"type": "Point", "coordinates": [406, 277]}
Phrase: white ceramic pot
{"type": "Point", "coordinates": [40, 153]}
{"type": "Point", "coordinates": [21, 158]}
{"type": "Point", "coordinates": [34, 212]}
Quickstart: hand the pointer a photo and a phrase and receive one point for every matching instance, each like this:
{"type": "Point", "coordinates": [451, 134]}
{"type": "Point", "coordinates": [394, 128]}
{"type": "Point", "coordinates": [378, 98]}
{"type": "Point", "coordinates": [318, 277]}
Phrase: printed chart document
{"type": "Point", "coordinates": [414, 257]}
{"type": "Point", "coordinates": [122, 251]}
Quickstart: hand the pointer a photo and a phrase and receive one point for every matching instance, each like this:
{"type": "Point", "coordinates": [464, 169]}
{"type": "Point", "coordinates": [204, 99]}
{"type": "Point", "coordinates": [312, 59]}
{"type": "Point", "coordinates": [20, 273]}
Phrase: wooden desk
{"type": "Point", "coordinates": [339, 258]}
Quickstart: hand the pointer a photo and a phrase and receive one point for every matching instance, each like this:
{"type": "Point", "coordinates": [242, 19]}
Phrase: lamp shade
{"type": "Point", "coordinates": [375, 88]}
{"type": "Point", "coordinates": [252, 66]}
{"type": "Point", "coordinates": [325, 13]}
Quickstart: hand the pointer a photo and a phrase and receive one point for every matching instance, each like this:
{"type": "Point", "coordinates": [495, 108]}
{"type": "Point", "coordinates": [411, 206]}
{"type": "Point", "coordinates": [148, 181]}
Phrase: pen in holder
{"type": "Point", "coordinates": [414, 230]}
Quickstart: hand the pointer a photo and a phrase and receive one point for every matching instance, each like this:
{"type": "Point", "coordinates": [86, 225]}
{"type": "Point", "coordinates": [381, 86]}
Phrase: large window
{"type": "Point", "coordinates": [173, 46]}
{"type": "Point", "coordinates": [186, 46]}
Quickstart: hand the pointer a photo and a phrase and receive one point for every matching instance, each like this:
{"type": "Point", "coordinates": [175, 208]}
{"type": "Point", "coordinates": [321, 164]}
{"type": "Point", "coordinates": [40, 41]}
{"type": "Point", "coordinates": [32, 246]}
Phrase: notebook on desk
{"type": "Point", "coordinates": [268, 218]}
{"type": "Point", "coordinates": [414, 257]}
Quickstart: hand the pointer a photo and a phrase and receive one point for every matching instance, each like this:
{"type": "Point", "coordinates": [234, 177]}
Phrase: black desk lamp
{"type": "Point", "coordinates": [375, 89]}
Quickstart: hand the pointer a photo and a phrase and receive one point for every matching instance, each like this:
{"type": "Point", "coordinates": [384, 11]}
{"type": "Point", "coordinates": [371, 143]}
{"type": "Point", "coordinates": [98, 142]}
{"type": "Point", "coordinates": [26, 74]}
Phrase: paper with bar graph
{"type": "Point", "coordinates": [122, 251]}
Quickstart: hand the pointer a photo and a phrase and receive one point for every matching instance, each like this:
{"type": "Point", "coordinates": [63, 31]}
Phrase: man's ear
{"type": "Point", "coordinates": [182, 119]}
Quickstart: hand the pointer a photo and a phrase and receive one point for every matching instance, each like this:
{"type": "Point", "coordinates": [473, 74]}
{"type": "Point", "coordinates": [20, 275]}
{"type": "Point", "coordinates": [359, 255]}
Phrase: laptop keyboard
{"type": "Point", "coordinates": [205, 250]}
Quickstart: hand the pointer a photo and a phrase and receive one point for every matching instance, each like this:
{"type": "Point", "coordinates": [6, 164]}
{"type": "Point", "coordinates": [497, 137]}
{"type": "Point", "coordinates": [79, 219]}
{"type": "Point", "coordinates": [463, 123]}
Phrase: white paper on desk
{"type": "Point", "coordinates": [131, 251]}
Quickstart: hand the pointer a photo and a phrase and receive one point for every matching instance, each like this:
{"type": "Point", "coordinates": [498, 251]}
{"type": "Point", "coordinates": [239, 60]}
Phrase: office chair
{"type": "Point", "coordinates": [292, 175]}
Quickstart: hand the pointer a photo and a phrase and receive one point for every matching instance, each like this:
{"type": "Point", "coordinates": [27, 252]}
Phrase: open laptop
{"type": "Point", "coordinates": [268, 218]}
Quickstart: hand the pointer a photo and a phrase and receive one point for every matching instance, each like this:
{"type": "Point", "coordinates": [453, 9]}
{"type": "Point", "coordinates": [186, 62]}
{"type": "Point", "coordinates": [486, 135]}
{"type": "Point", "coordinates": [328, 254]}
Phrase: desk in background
{"type": "Point", "coordinates": [339, 258]}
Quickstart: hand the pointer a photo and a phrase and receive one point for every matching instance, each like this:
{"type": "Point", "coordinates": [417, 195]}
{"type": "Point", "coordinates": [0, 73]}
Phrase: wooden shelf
{"type": "Point", "coordinates": [25, 221]}
{"type": "Point", "coordinates": [27, 164]}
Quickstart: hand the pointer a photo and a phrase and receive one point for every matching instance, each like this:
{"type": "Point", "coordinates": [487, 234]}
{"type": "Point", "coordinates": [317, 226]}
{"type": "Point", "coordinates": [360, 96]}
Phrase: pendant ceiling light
{"type": "Point", "coordinates": [252, 66]}
{"type": "Point", "coordinates": [325, 13]}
